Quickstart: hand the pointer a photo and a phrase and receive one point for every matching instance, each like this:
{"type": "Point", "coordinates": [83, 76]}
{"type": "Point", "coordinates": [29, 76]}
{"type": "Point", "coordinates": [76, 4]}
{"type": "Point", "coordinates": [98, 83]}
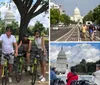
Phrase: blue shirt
{"type": "Point", "coordinates": [52, 75]}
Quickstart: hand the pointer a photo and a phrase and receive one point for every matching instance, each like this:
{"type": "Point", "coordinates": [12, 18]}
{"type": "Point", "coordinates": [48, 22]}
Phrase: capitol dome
{"type": "Point", "coordinates": [62, 54]}
{"type": "Point", "coordinates": [9, 17]}
{"type": "Point", "coordinates": [77, 11]}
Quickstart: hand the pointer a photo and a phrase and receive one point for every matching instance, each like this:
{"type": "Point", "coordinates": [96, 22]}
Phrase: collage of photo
{"type": "Point", "coordinates": [49, 42]}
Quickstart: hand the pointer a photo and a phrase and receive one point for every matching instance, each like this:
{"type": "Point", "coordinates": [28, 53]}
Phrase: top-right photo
{"type": "Point", "coordinates": [75, 20]}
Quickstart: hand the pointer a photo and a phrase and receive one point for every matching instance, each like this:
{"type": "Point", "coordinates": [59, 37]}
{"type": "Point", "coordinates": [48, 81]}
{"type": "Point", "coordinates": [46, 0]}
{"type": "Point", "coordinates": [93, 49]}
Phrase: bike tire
{"type": "Point", "coordinates": [18, 73]}
{"type": "Point", "coordinates": [4, 81]}
{"type": "Point", "coordinates": [34, 74]}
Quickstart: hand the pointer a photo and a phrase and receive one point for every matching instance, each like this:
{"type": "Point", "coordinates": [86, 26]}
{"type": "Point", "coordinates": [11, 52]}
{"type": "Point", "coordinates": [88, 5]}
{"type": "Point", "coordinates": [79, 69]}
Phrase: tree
{"type": "Point", "coordinates": [29, 9]}
{"type": "Point", "coordinates": [65, 19]}
{"type": "Point", "coordinates": [38, 26]}
{"type": "Point", "coordinates": [54, 16]}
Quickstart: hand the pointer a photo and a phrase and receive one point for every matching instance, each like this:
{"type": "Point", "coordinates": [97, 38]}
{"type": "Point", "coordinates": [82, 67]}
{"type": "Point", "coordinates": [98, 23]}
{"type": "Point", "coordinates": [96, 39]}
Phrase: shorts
{"type": "Point", "coordinates": [11, 60]}
{"type": "Point", "coordinates": [90, 31]}
{"type": "Point", "coordinates": [42, 57]}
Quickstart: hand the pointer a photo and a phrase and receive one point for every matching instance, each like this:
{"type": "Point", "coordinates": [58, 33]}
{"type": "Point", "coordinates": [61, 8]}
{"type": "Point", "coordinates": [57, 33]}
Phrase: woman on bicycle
{"type": "Point", "coordinates": [26, 43]}
{"type": "Point", "coordinates": [39, 41]}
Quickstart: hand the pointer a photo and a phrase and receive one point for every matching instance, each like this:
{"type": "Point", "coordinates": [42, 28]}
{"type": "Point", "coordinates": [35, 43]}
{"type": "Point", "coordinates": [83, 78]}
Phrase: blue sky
{"type": "Point", "coordinates": [76, 51]}
{"type": "Point", "coordinates": [95, 45]}
{"type": "Point", "coordinates": [84, 5]}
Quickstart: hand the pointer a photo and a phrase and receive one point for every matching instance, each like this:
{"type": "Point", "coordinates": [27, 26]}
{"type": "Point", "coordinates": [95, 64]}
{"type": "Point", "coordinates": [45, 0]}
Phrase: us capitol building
{"type": "Point", "coordinates": [9, 16]}
{"type": "Point", "coordinates": [61, 62]}
{"type": "Point", "coordinates": [77, 16]}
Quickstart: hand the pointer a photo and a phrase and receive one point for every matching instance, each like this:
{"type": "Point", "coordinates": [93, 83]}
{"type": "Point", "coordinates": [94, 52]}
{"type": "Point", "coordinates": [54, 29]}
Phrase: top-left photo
{"type": "Point", "coordinates": [24, 42]}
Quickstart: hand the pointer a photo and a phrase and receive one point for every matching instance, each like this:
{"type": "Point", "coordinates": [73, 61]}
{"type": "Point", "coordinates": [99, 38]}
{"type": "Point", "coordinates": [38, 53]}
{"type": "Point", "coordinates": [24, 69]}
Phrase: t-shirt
{"type": "Point", "coordinates": [7, 43]}
{"type": "Point", "coordinates": [52, 75]}
{"type": "Point", "coordinates": [97, 77]}
{"type": "Point", "coordinates": [25, 44]}
{"type": "Point", "coordinates": [71, 77]}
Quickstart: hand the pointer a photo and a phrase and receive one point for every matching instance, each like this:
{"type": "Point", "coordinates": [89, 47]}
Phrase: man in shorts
{"type": "Point", "coordinates": [8, 40]}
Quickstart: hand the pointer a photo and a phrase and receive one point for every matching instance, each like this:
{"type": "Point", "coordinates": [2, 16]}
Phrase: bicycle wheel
{"type": "Point", "coordinates": [34, 73]}
{"type": "Point", "coordinates": [4, 81]}
{"type": "Point", "coordinates": [18, 73]}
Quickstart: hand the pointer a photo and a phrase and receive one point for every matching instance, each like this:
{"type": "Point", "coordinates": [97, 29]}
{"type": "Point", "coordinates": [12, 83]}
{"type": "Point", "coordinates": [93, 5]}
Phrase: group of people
{"type": "Point", "coordinates": [10, 46]}
{"type": "Point", "coordinates": [73, 76]}
{"type": "Point", "coordinates": [88, 29]}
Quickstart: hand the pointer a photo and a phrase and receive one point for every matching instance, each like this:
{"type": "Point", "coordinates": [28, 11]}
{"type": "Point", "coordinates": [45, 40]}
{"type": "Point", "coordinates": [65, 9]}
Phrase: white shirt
{"type": "Point", "coordinates": [97, 77]}
{"type": "Point", "coordinates": [38, 42]}
{"type": "Point", "coordinates": [7, 43]}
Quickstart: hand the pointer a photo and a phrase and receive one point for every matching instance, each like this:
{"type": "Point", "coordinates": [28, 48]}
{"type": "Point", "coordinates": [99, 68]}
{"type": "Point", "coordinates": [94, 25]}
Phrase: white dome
{"type": "Point", "coordinates": [9, 15]}
{"type": "Point", "coordinates": [76, 11]}
{"type": "Point", "coordinates": [62, 54]}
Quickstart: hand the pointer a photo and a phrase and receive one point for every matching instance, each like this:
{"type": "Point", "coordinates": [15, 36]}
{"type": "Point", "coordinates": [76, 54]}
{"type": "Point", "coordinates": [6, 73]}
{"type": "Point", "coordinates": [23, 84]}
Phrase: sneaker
{"type": "Point", "coordinates": [10, 79]}
{"type": "Point", "coordinates": [43, 79]}
{"type": "Point", "coordinates": [28, 68]}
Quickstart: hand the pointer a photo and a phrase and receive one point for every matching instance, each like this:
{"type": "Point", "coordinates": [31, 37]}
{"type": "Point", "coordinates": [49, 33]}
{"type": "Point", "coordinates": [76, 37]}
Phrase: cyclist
{"type": "Point", "coordinates": [39, 41]}
{"type": "Point", "coordinates": [8, 40]}
{"type": "Point", "coordinates": [26, 44]}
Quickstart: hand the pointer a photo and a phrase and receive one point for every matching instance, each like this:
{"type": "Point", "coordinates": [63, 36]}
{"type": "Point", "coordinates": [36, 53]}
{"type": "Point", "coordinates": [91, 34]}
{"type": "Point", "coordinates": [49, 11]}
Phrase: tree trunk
{"type": "Point", "coordinates": [23, 27]}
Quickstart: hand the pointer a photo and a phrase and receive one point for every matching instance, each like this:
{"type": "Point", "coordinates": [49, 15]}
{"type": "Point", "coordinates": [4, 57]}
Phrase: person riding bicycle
{"type": "Point", "coordinates": [8, 40]}
{"type": "Point", "coordinates": [26, 44]}
{"type": "Point", "coordinates": [39, 41]}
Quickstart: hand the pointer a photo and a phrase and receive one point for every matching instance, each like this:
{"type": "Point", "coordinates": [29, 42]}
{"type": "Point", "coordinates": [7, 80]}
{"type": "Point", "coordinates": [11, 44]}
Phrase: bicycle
{"type": "Point", "coordinates": [35, 57]}
{"type": "Point", "coordinates": [19, 66]}
{"type": "Point", "coordinates": [5, 71]}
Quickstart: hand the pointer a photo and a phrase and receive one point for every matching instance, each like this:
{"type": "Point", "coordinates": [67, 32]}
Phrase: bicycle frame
{"type": "Point", "coordinates": [4, 66]}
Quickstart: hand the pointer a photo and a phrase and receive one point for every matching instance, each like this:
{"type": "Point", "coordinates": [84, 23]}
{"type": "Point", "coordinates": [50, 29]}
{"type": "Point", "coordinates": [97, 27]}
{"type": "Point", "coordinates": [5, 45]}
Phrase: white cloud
{"type": "Point", "coordinates": [43, 19]}
{"type": "Point", "coordinates": [77, 53]}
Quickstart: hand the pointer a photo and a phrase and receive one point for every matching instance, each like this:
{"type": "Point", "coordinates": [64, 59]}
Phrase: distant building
{"type": "Point", "coordinates": [9, 16]}
{"type": "Point", "coordinates": [61, 62]}
{"type": "Point", "coordinates": [55, 6]}
{"type": "Point", "coordinates": [77, 16]}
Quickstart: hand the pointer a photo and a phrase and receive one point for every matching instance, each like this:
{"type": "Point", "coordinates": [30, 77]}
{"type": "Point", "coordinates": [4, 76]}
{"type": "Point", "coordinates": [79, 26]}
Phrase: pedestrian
{"type": "Point", "coordinates": [91, 32]}
{"type": "Point", "coordinates": [8, 40]}
{"type": "Point", "coordinates": [40, 43]}
{"type": "Point", "coordinates": [71, 76]}
{"type": "Point", "coordinates": [96, 75]}
{"type": "Point", "coordinates": [53, 74]}
{"type": "Point", "coordinates": [84, 29]}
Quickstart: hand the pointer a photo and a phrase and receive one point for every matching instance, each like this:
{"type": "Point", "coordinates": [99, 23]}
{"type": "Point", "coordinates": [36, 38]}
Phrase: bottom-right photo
{"type": "Point", "coordinates": [74, 63]}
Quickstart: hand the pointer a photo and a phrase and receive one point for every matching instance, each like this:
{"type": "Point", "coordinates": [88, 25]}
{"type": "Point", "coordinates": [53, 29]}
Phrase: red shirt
{"type": "Point", "coordinates": [74, 77]}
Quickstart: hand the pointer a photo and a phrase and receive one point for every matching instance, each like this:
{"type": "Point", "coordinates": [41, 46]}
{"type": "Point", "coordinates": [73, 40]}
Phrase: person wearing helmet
{"type": "Point", "coordinates": [26, 44]}
{"type": "Point", "coordinates": [39, 41]}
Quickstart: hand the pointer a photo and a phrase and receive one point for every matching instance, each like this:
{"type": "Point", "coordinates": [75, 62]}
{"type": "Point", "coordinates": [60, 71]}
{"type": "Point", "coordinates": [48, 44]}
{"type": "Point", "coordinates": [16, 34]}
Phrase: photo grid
{"type": "Point", "coordinates": [75, 42]}
{"type": "Point", "coordinates": [49, 42]}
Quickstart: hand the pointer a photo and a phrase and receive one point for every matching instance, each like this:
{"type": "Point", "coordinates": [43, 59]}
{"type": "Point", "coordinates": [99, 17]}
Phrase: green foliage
{"type": "Point", "coordinates": [54, 16]}
{"type": "Point", "coordinates": [65, 19]}
{"type": "Point", "coordinates": [2, 26]}
{"type": "Point", "coordinates": [86, 67]}
{"type": "Point", "coordinates": [15, 27]}
{"type": "Point", "coordinates": [93, 16]}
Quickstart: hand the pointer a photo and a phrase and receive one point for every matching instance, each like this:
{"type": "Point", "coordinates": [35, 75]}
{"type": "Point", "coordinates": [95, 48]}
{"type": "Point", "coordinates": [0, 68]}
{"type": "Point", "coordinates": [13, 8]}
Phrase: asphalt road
{"type": "Point", "coordinates": [71, 33]}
